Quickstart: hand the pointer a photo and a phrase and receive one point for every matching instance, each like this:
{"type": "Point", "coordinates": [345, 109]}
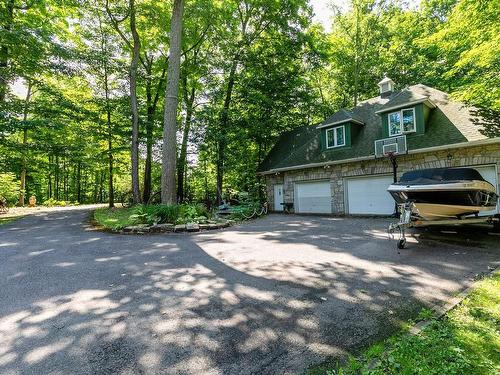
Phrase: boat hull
{"type": "Point", "coordinates": [430, 211]}
{"type": "Point", "coordinates": [447, 199]}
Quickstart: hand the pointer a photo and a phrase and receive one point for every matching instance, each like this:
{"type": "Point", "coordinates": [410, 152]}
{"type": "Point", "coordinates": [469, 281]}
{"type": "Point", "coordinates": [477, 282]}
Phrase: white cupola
{"type": "Point", "coordinates": [386, 87]}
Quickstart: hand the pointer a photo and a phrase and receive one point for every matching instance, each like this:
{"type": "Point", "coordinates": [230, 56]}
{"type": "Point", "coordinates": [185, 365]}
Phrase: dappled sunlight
{"type": "Point", "coordinates": [40, 252]}
{"type": "Point", "coordinates": [8, 244]}
{"type": "Point", "coordinates": [64, 264]}
{"type": "Point", "coordinates": [268, 291]}
{"type": "Point", "coordinates": [42, 352]}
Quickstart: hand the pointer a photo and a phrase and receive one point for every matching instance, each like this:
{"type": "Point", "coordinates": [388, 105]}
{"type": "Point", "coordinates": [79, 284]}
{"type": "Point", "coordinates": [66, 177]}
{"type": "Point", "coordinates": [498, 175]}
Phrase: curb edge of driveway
{"type": "Point", "coordinates": [440, 311]}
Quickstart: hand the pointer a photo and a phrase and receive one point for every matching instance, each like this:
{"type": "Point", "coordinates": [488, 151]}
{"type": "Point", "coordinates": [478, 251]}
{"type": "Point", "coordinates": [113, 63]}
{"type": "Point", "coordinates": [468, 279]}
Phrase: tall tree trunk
{"type": "Point", "coordinates": [4, 50]}
{"type": "Point", "coordinates": [356, 55]}
{"type": "Point", "coordinates": [224, 121]}
{"type": "Point", "coordinates": [170, 111]}
{"type": "Point", "coordinates": [56, 177]}
{"type": "Point", "coordinates": [101, 186]}
{"type": "Point", "coordinates": [97, 182]}
{"type": "Point", "coordinates": [152, 104]}
{"type": "Point", "coordinates": [133, 104]}
{"type": "Point", "coordinates": [109, 125]}
{"type": "Point", "coordinates": [146, 193]}
{"type": "Point", "coordinates": [50, 177]}
{"type": "Point", "coordinates": [22, 194]}
{"type": "Point", "coordinates": [181, 166]}
{"type": "Point", "coordinates": [110, 164]}
{"type": "Point", "coordinates": [79, 183]}
{"type": "Point", "coordinates": [65, 182]}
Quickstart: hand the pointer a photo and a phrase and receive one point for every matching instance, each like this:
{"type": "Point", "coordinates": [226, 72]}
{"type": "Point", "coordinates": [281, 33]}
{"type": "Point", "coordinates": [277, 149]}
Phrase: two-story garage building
{"type": "Point", "coordinates": [338, 166]}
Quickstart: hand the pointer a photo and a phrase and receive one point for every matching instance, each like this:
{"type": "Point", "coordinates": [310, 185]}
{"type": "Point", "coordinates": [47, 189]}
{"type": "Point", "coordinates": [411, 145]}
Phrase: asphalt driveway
{"type": "Point", "coordinates": [271, 296]}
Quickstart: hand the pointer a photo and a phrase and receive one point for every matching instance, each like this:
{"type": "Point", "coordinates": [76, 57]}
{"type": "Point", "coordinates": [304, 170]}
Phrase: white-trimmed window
{"type": "Point", "coordinates": [401, 122]}
{"type": "Point", "coordinates": [335, 137]}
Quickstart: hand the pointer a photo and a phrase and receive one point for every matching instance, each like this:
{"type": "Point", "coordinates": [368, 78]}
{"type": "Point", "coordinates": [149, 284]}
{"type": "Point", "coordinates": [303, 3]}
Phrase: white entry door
{"type": "Point", "coordinates": [489, 173]}
{"type": "Point", "coordinates": [369, 196]}
{"type": "Point", "coordinates": [278, 197]}
{"type": "Point", "coordinates": [313, 197]}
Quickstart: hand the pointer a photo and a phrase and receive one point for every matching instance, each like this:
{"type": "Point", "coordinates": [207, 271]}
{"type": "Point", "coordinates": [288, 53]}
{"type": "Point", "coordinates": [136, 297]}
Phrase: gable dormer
{"type": "Point", "coordinates": [405, 113]}
{"type": "Point", "coordinates": [337, 130]}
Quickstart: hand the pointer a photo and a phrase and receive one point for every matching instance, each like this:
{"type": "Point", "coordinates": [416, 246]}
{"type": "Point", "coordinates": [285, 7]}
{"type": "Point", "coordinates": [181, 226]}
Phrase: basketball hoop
{"type": "Point", "coordinates": [390, 154]}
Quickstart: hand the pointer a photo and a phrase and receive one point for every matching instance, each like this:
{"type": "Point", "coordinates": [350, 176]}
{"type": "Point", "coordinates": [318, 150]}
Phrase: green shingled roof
{"type": "Point", "coordinates": [407, 95]}
{"type": "Point", "coordinates": [342, 115]}
{"type": "Point", "coordinates": [450, 122]}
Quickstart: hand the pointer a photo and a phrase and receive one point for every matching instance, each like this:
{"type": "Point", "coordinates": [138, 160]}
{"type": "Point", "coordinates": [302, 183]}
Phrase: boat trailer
{"type": "Point", "coordinates": [408, 219]}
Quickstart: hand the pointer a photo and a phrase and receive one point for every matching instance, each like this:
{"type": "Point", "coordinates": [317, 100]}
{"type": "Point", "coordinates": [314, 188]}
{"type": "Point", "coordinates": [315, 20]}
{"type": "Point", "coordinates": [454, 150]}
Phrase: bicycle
{"type": "Point", "coordinates": [127, 199]}
{"type": "Point", "coordinates": [258, 211]}
{"type": "Point", "coordinates": [3, 206]}
{"type": "Point", "coordinates": [155, 198]}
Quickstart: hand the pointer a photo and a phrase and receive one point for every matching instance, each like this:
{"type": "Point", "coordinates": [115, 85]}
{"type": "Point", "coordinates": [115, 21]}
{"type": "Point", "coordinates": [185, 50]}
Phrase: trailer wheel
{"type": "Point", "coordinates": [401, 243]}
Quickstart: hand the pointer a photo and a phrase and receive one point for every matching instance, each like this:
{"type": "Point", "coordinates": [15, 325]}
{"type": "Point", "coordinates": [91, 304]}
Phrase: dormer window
{"type": "Point", "coordinates": [335, 137]}
{"type": "Point", "coordinates": [402, 122]}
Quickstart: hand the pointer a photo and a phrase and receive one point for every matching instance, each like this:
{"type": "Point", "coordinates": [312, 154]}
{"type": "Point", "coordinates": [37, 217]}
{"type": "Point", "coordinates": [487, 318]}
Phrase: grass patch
{"type": "Point", "coordinates": [465, 341]}
{"type": "Point", "coordinates": [7, 220]}
{"type": "Point", "coordinates": [113, 218]}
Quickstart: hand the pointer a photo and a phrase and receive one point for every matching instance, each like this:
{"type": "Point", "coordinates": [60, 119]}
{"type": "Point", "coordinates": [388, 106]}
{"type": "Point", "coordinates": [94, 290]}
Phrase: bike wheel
{"type": "Point", "coordinates": [127, 200]}
{"type": "Point", "coordinates": [155, 198]}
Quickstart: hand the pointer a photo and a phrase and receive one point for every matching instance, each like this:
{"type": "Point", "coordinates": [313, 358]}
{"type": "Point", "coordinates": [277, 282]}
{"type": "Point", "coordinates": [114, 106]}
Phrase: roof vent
{"type": "Point", "coordinates": [386, 87]}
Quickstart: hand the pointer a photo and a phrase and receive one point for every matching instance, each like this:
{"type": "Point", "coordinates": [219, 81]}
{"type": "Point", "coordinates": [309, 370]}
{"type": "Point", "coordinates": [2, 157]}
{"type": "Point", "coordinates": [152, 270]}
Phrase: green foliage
{"type": "Point", "coordinates": [175, 214]}
{"type": "Point", "coordinates": [7, 220]}
{"type": "Point", "coordinates": [113, 218]}
{"type": "Point", "coordinates": [288, 73]}
{"type": "Point", "coordinates": [51, 202]}
{"type": "Point", "coordinates": [155, 214]}
{"type": "Point", "coordinates": [465, 341]}
{"type": "Point", "coordinates": [425, 314]}
{"type": "Point", "coordinates": [9, 188]}
{"type": "Point", "coordinates": [118, 218]}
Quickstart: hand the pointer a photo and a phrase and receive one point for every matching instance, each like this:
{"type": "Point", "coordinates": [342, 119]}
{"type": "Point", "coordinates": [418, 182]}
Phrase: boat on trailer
{"type": "Point", "coordinates": [442, 196]}
{"type": "Point", "coordinates": [442, 193]}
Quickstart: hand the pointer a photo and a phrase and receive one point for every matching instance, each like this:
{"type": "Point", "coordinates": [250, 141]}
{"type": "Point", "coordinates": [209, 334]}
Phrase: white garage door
{"type": "Point", "coordinates": [313, 197]}
{"type": "Point", "coordinates": [368, 195]}
{"type": "Point", "coordinates": [489, 173]}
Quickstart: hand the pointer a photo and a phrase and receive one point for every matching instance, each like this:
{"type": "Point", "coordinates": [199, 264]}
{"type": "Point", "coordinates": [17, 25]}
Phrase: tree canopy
{"type": "Point", "coordinates": [90, 90]}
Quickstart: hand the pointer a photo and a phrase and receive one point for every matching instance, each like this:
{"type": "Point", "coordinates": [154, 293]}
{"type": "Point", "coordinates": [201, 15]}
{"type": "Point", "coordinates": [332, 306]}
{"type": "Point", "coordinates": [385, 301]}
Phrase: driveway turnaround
{"type": "Point", "coordinates": [271, 296]}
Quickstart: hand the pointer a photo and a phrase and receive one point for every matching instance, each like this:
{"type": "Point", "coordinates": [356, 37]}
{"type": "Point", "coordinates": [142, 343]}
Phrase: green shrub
{"type": "Point", "coordinates": [9, 188]}
{"type": "Point", "coordinates": [193, 213]}
{"type": "Point", "coordinates": [165, 213]}
{"type": "Point", "coordinates": [51, 202]}
{"type": "Point", "coordinates": [155, 214]}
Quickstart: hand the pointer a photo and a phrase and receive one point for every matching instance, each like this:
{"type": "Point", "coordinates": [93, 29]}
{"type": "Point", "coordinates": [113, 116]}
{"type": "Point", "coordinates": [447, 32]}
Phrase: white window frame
{"type": "Point", "coordinates": [401, 127]}
{"type": "Point", "coordinates": [334, 130]}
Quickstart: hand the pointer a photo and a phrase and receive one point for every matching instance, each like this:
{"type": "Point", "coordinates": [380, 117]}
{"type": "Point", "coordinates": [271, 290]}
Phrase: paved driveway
{"type": "Point", "coordinates": [271, 296]}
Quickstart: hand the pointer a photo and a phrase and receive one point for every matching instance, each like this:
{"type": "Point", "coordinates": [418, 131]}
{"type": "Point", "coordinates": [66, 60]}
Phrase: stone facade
{"type": "Point", "coordinates": [337, 173]}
